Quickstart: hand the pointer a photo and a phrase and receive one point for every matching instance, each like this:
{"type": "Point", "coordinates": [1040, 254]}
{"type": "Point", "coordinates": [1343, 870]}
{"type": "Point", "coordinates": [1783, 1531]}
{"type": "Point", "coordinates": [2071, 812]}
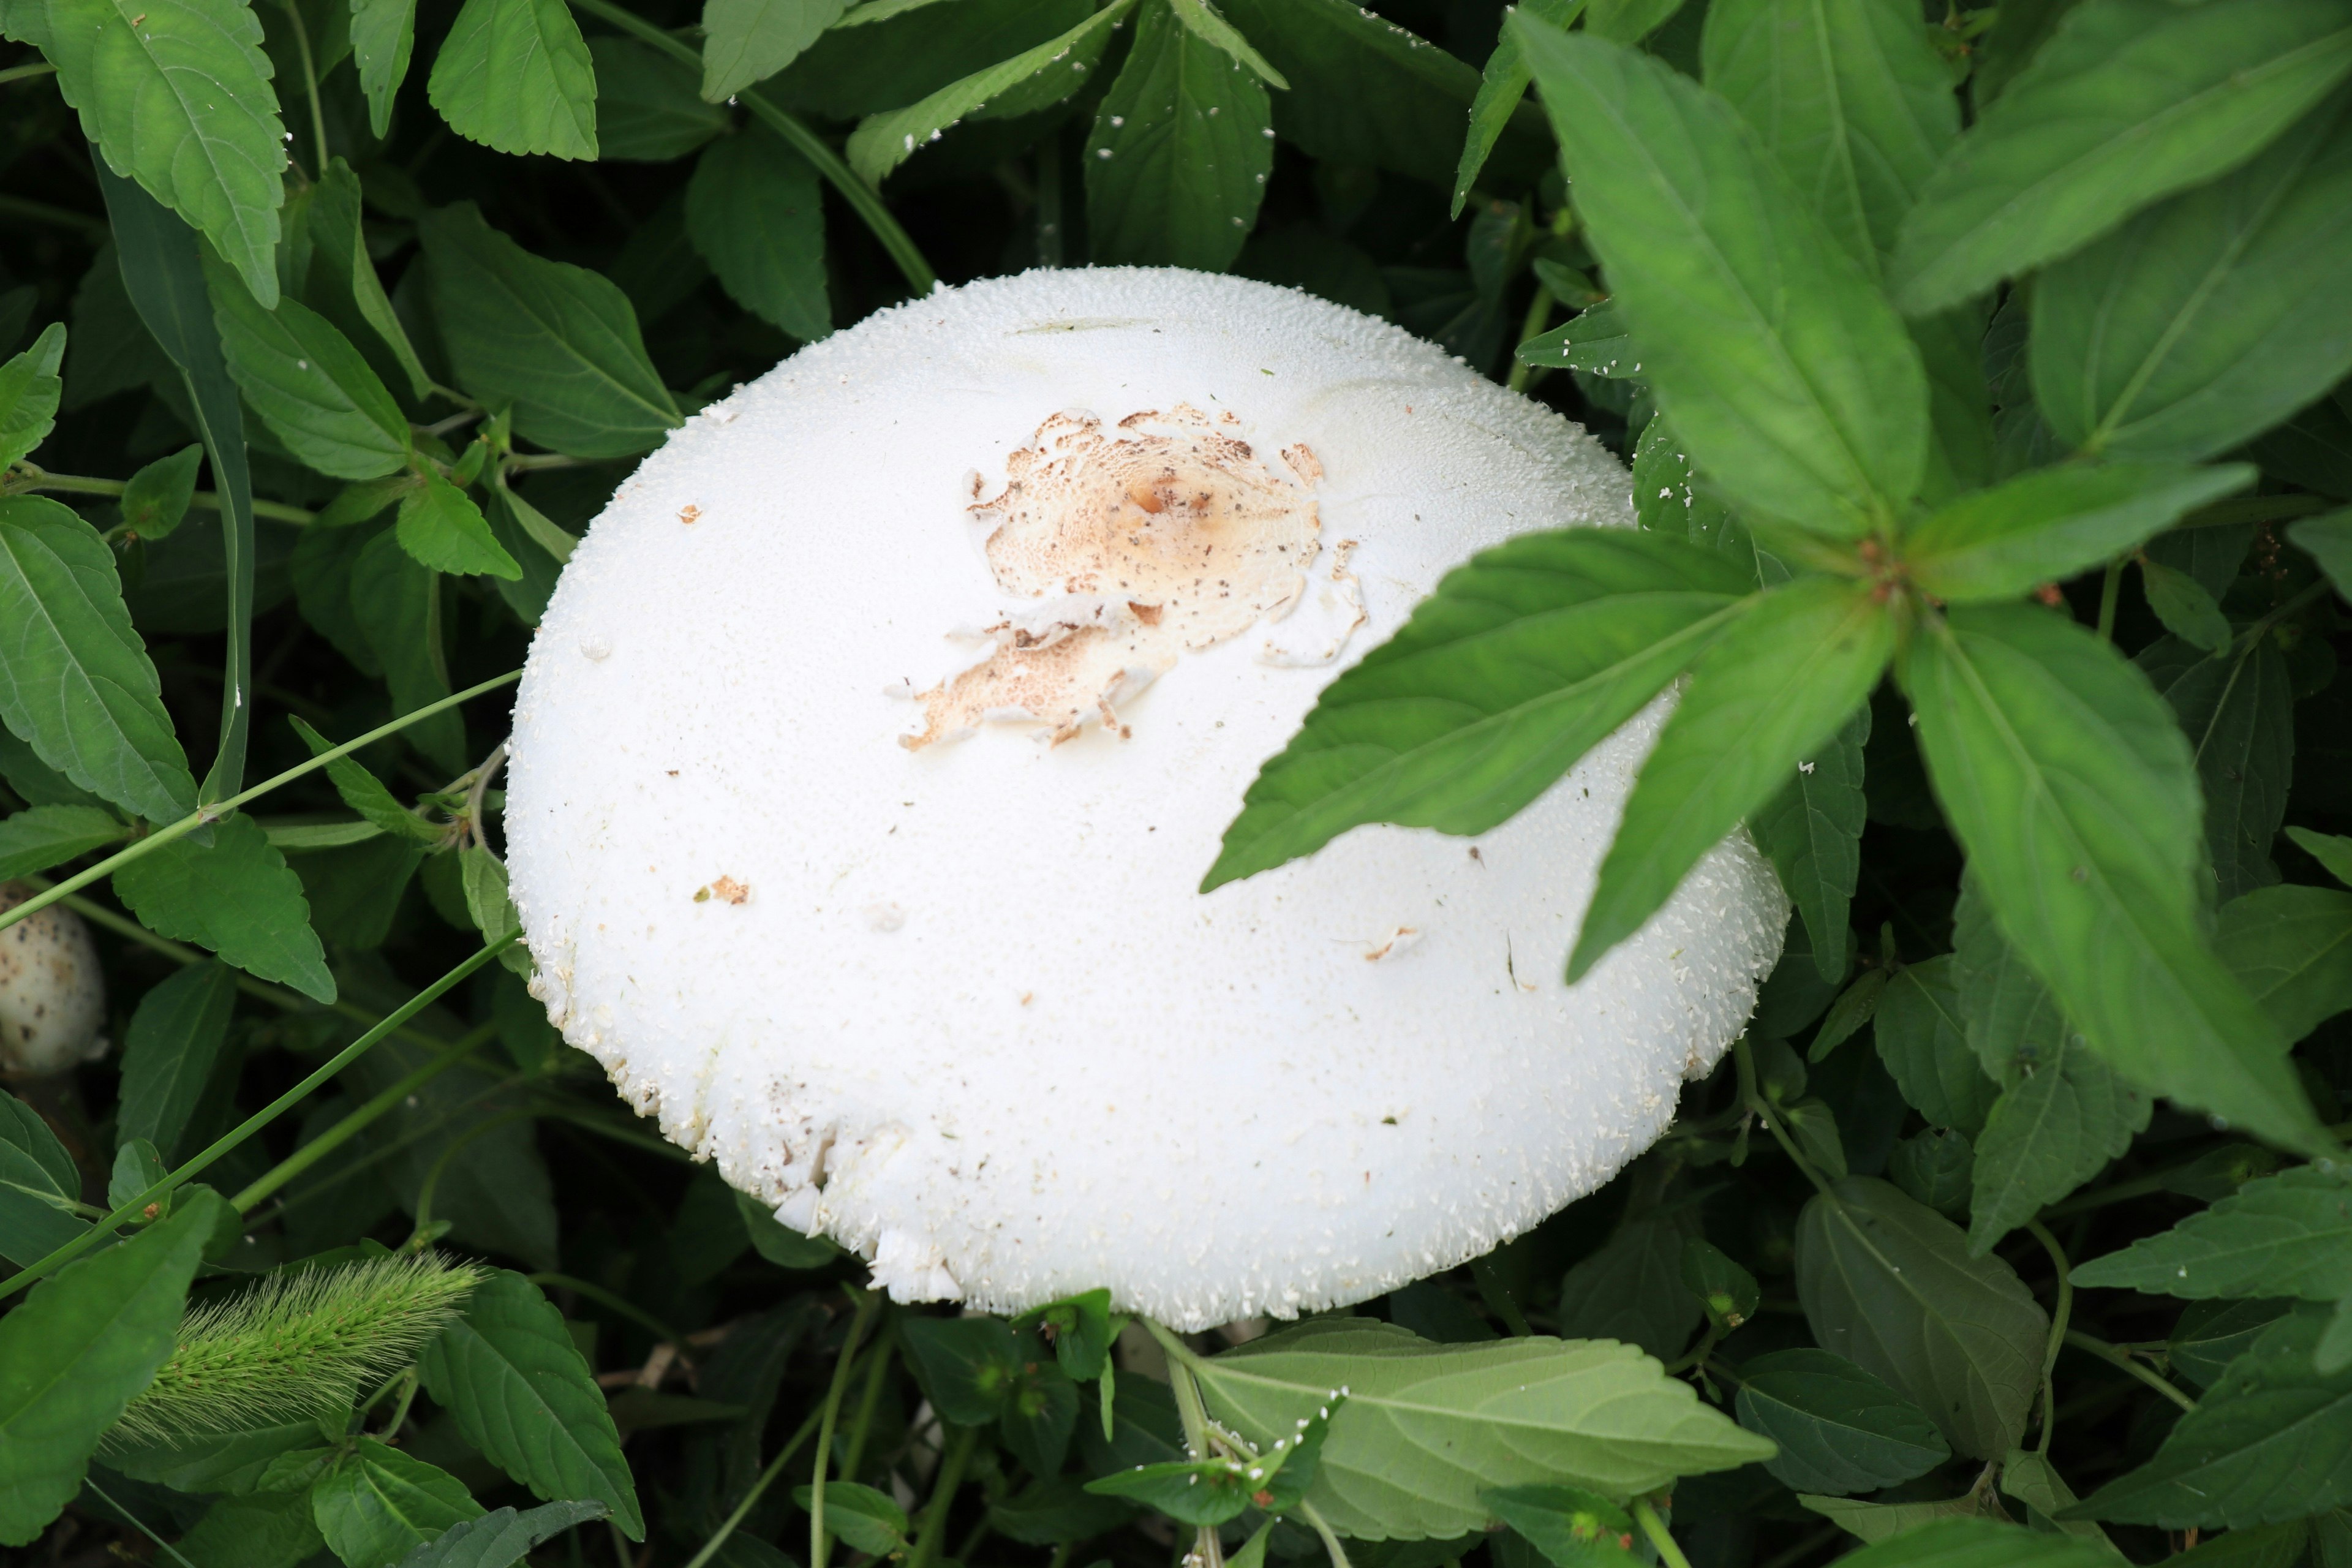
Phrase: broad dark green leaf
{"type": "Point", "coordinates": [396, 606]}
{"type": "Point", "coordinates": [2271, 1440]}
{"type": "Point", "coordinates": [1081, 1330]}
{"type": "Point", "coordinates": [524, 1397]}
{"type": "Point", "coordinates": [1812, 831]}
{"type": "Point", "coordinates": [2211, 316]}
{"type": "Point", "coordinates": [1523, 660]}
{"type": "Point", "coordinates": [2328, 541]}
{"type": "Point", "coordinates": [515, 75]}
{"type": "Point", "coordinates": [2186, 610]}
{"type": "Point", "coordinates": [1936, 1167]}
{"type": "Point", "coordinates": [1880, 1522]}
{"type": "Point", "coordinates": [1631, 1291]}
{"type": "Point", "coordinates": [555, 343]}
{"type": "Point", "coordinates": [868, 1519]}
{"type": "Point", "coordinates": [779, 1243]}
{"type": "Point", "coordinates": [1974, 1543]}
{"type": "Point", "coordinates": [170, 1052]}
{"type": "Point", "coordinates": [2033, 1480]}
{"type": "Point", "coordinates": [177, 96]}
{"type": "Point", "coordinates": [648, 109]}
{"type": "Point", "coordinates": [2047, 525]}
{"type": "Point", "coordinates": [443, 530]}
{"type": "Point", "coordinates": [75, 679]}
{"type": "Point", "coordinates": [29, 390]}
{"type": "Point", "coordinates": [232, 1462]}
{"type": "Point", "coordinates": [82, 1345]}
{"type": "Point", "coordinates": [383, 38]}
{"type": "Point", "coordinates": [748, 41]}
{"type": "Point", "coordinates": [503, 1537]}
{"type": "Point", "coordinates": [1763, 697]}
{"type": "Point", "coordinates": [38, 1185]}
{"type": "Point", "coordinates": [2292, 950]}
{"type": "Point", "coordinates": [44, 836]}
{"type": "Point", "coordinates": [262, 1529]}
{"type": "Point", "coordinates": [754, 210]}
{"type": "Point", "coordinates": [2239, 715]}
{"type": "Point", "coordinates": [1771, 348]}
{"type": "Point", "coordinates": [1427, 1427]}
{"type": "Point", "coordinates": [1922, 1037]}
{"type": "Point", "coordinates": [236, 898]}
{"type": "Point", "coordinates": [2070, 786]}
{"type": "Point", "coordinates": [1031, 80]}
{"type": "Point", "coordinates": [156, 497]}
{"type": "Point", "coordinates": [1571, 1527]}
{"type": "Point", "coordinates": [462, 1133]}
{"type": "Point", "coordinates": [378, 1504]}
{"type": "Point", "coordinates": [2210, 1335]}
{"type": "Point", "coordinates": [342, 286]}
{"type": "Point", "coordinates": [1840, 1429]}
{"type": "Point", "coordinates": [307, 384]}
{"type": "Point", "coordinates": [1056, 1509]}
{"type": "Point", "coordinates": [2288, 1234]}
{"type": "Point", "coordinates": [885, 56]}
{"type": "Point", "coordinates": [1889, 1285]}
{"type": "Point", "coordinates": [1192, 1492]}
{"type": "Point", "coordinates": [2129, 101]}
{"type": "Point", "coordinates": [1177, 161]}
{"type": "Point", "coordinates": [1502, 84]}
{"type": "Point", "coordinates": [967, 1365]}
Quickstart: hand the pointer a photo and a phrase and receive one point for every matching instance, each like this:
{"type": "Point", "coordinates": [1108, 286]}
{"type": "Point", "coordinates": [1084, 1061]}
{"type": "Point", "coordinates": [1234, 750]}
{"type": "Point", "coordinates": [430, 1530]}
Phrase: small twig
{"type": "Point", "coordinates": [2115, 1355]}
{"type": "Point", "coordinates": [2041, 1233]}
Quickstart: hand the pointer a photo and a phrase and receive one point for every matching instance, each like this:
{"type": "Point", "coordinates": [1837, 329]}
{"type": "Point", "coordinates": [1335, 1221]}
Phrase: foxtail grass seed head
{"type": "Point", "coordinates": [52, 992]}
{"type": "Point", "coordinates": [298, 1344]}
{"type": "Point", "coordinates": [875, 740]}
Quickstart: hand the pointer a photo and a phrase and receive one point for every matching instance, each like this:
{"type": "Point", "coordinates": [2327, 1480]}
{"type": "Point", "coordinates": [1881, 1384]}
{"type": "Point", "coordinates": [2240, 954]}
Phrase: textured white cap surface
{"type": "Point", "coordinates": [958, 1003]}
{"type": "Point", "coordinates": [52, 991]}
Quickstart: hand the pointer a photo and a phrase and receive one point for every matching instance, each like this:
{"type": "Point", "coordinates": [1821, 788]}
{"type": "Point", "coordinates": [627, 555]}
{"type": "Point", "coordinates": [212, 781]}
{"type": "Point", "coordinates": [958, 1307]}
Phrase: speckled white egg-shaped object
{"type": "Point", "coordinates": [52, 992]}
{"type": "Point", "coordinates": [878, 734]}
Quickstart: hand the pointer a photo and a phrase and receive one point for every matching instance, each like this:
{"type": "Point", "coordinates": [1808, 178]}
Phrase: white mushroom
{"type": "Point", "coordinates": [878, 734]}
{"type": "Point", "coordinates": [52, 993]}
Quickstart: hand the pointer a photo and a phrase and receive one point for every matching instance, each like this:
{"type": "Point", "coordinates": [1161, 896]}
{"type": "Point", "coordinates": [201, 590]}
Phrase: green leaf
{"type": "Point", "coordinates": [515, 75]}
{"type": "Point", "coordinates": [1890, 1284]}
{"type": "Point", "coordinates": [1879, 1522]}
{"type": "Point", "coordinates": [523, 1395]}
{"type": "Point", "coordinates": [556, 343]}
{"type": "Point", "coordinates": [1201, 1493]}
{"type": "Point", "coordinates": [1631, 1291]}
{"type": "Point", "coordinates": [78, 1350]}
{"type": "Point", "coordinates": [378, 1504]}
{"type": "Point", "coordinates": [1427, 1427]}
{"type": "Point", "coordinates": [1202, 19]}
{"type": "Point", "coordinates": [1922, 1039]}
{"type": "Point", "coordinates": [485, 883]}
{"type": "Point", "coordinates": [867, 1520]}
{"type": "Point", "coordinates": [2292, 950]}
{"type": "Point", "coordinates": [364, 792]}
{"type": "Point", "coordinates": [169, 1054]}
{"type": "Point", "coordinates": [309, 386]}
{"type": "Point", "coordinates": [649, 108]}
{"type": "Point", "coordinates": [462, 1132]}
{"type": "Point", "coordinates": [45, 836]}
{"type": "Point", "coordinates": [1056, 1509]}
{"type": "Point", "coordinates": [1839, 1430]}
{"type": "Point", "coordinates": [1522, 661]}
{"type": "Point", "coordinates": [503, 1537]}
{"type": "Point", "coordinates": [38, 1186]}
{"type": "Point", "coordinates": [236, 899]}
{"type": "Point", "coordinates": [2328, 541]}
{"type": "Point", "coordinates": [1081, 1331]}
{"type": "Point", "coordinates": [1671, 496]}
{"type": "Point", "coordinates": [180, 103]}
{"type": "Point", "coordinates": [29, 390]}
{"type": "Point", "coordinates": [2033, 1480]}
{"type": "Point", "coordinates": [2288, 1234]}
{"type": "Point", "coordinates": [2271, 1440]}
{"type": "Point", "coordinates": [383, 38]}
{"type": "Point", "coordinates": [753, 211]}
{"type": "Point", "coordinates": [1796, 386]}
{"type": "Point", "coordinates": [157, 496]}
{"type": "Point", "coordinates": [1032, 79]}
{"type": "Point", "coordinates": [263, 1529]}
{"type": "Point", "coordinates": [396, 605]}
{"type": "Point", "coordinates": [2184, 606]}
{"type": "Point", "coordinates": [1177, 161]}
{"type": "Point", "coordinates": [2129, 101]}
{"type": "Point", "coordinates": [442, 528]}
{"type": "Point", "coordinates": [1855, 1007]}
{"type": "Point", "coordinates": [233, 1462]}
{"type": "Point", "coordinates": [1595, 341]}
{"type": "Point", "coordinates": [2211, 316]}
{"type": "Point", "coordinates": [1813, 832]}
{"type": "Point", "coordinates": [2054, 1128]}
{"type": "Point", "coordinates": [2331, 850]}
{"type": "Point", "coordinates": [967, 1365]}
{"type": "Point", "coordinates": [1729, 1292]}
{"type": "Point", "coordinates": [2239, 714]}
{"type": "Point", "coordinates": [75, 680]}
{"type": "Point", "coordinates": [2071, 789]}
{"type": "Point", "coordinates": [1571, 1527]}
{"type": "Point", "coordinates": [1936, 1167]}
{"type": "Point", "coordinates": [748, 41]}
{"type": "Point", "coordinates": [1968, 1543]}
{"type": "Point", "coordinates": [779, 1244]}
{"type": "Point", "coordinates": [2047, 525]}
{"type": "Point", "coordinates": [1765, 695]}
{"type": "Point", "coordinates": [343, 285]}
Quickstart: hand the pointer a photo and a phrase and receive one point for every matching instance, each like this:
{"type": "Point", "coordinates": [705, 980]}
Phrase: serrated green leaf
{"type": "Point", "coordinates": [503, 1537]}
{"type": "Point", "coordinates": [2072, 790]}
{"type": "Point", "coordinates": [515, 75]}
{"type": "Point", "coordinates": [2292, 950]}
{"type": "Point", "coordinates": [1571, 1527]}
{"type": "Point", "coordinates": [231, 1462]}
{"type": "Point", "coordinates": [396, 606]}
{"type": "Point", "coordinates": [1839, 1430]}
{"type": "Point", "coordinates": [2239, 715]}
{"type": "Point", "coordinates": [2184, 606]}
{"type": "Point", "coordinates": [1778, 684]}
{"type": "Point", "coordinates": [1855, 1007]}
{"type": "Point", "coordinates": [156, 497]}
{"type": "Point", "coordinates": [170, 1052]}
{"type": "Point", "coordinates": [1796, 386]}
{"type": "Point", "coordinates": [1886, 1521]}
{"type": "Point", "coordinates": [378, 1504]}
{"type": "Point", "coordinates": [2288, 1234]}
{"type": "Point", "coordinates": [343, 285]}
{"type": "Point", "coordinates": [75, 679]}
{"type": "Point", "coordinates": [1935, 1167]}
{"type": "Point", "coordinates": [384, 38]}
{"type": "Point", "coordinates": [1595, 341]}
{"type": "Point", "coordinates": [2047, 525]}
{"type": "Point", "coordinates": [2210, 1335]}
{"type": "Point", "coordinates": [967, 1365]}
{"type": "Point", "coordinates": [2054, 1129]}
{"type": "Point", "coordinates": [2033, 1480]}
{"type": "Point", "coordinates": [263, 1529]}
{"type": "Point", "coordinates": [1177, 161]}
{"type": "Point", "coordinates": [555, 343]}
{"type": "Point", "coordinates": [755, 212]}
{"type": "Point", "coordinates": [2211, 316]}
{"type": "Point", "coordinates": [307, 384]}
{"type": "Point", "coordinates": [45, 836]}
{"type": "Point", "coordinates": [1813, 832]}
{"type": "Point", "coordinates": [38, 1186]}
{"type": "Point", "coordinates": [648, 109]}
{"type": "Point", "coordinates": [1889, 1284]}
{"type": "Point", "coordinates": [179, 99]}
{"type": "Point", "coordinates": [444, 530]}
{"type": "Point", "coordinates": [748, 41]}
{"type": "Point", "coordinates": [2129, 101]}
{"type": "Point", "coordinates": [1523, 660]}
{"type": "Point", "coordinates": [1671, 496]}
{"type": "Point", "coordinates": [29, 390]}
{"type": "Point", "coordinates": [236, 899]}
{"type": "Point", "coordinates": [1631, 1291]}
{"type": "Point", "coordinates": [364, 792]}
{"type": "Point", "coordinates": [1915, 1539]}
{"type": "Point", "coordinates": [78, 1350]}
{"type": "Point", "coordinates": [1193, 1492]}
{"type": "Point", "coordinates": [1427, 1427]}
{"type": "Point", "coordinates": [1922, 1037]}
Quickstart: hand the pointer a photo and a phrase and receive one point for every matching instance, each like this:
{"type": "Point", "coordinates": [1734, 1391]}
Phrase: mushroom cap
{"type": "Point", "coordinates": [52, 991]}
{"type": "Point", "coordinates": [933, 976]}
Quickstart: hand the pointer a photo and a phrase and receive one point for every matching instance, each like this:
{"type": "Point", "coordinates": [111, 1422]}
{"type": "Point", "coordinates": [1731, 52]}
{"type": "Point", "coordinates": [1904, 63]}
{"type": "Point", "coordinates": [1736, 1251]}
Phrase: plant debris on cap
{"type": "Point", "coordinates": [52, 991]}
{"type": "Point", "coordinates": [878, 736]}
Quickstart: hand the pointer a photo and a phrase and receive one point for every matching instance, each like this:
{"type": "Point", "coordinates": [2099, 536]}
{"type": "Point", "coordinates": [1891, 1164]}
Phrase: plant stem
{"type": "Point", "coordinates": [943, 1491]}
{"type": "Point", "coordinates": [221, 1146]}
{"type": "Point", "coordinates": [92, 229]}
{"type": "Point", "coordinates": [862, 197]}
{"type": "Point", "coordinates": [310, 79]}
{"type": "Point", "coordinates": [613, 1303]}
{"type": "Point", "coordinates": [867, 1305]}
{"type": "Point", "coordinates": [2111, 589]}
{"type": "Point", "coordinates": [2057, 1329]}
{"type": "Point", "coordinates": [870, 1401]}
{"type": "Point", "coordinates": [220, 809]}
{"type": "Point", "coordinates": [1660, 1536]}
{"type": "Point", "coordinates": [1538, 317]}
{"type": "Point", "coordinates": [767, 1479]}
{"type": "Point", "coordinates": [2117, 1356]}
{"type": "Point", "coordinates": [1329, 1537]}
{"type": "Point", "coordinates": [351, 1125]}
{"type": "Point", "coordinates": [38, 478]}
{"type": "Point", "coordinates": [417, 1237]}
{"type": "Point", "coordinates": [27, 72]}
{"type": "Point", "coordinates": [160, 1543]}
{"type": "Point", "coordinates": [1207, 1550]}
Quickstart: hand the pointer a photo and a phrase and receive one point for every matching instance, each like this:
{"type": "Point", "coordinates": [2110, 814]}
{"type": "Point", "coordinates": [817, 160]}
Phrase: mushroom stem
{"type": "Point", "coordinates": [867, 1305]}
